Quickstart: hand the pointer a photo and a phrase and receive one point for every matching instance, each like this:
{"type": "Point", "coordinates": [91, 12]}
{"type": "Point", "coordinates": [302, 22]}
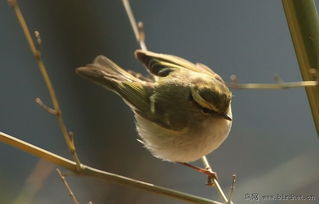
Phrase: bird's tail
{"type": "Point", "coordinates": [106, 73]}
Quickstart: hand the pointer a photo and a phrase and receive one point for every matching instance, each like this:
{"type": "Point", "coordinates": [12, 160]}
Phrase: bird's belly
{"type": "Point", "coordinates": [186, 145]}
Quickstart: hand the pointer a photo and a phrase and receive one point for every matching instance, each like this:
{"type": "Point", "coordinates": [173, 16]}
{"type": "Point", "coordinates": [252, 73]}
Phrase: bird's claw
{"type": "Point", "coordinates": [211, 176]}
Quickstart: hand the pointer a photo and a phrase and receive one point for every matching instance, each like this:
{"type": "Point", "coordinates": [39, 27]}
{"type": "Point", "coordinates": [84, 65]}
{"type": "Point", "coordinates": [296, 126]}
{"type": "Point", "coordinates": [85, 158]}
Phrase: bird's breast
{"type": "Point", "coordinates": [185, 145]}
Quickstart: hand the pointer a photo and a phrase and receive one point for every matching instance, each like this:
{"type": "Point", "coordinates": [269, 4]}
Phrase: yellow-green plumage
{"type": "Point", "coordinates": [182, 111]}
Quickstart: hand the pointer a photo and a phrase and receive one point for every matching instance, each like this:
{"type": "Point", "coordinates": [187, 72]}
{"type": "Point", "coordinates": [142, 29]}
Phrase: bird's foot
{"type": "Point", "coordinates": [211, 174]}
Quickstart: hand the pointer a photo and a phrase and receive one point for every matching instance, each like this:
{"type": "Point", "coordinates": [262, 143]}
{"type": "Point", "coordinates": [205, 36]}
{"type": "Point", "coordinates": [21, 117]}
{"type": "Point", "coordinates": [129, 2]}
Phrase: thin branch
{"type": "Point", "coordinates": [138, 29]}
{"type": "Point", "coordinates": [67, 186]}
{"type": "Point", "coordinates": [286, 85]}
{"type": "Point", "coordinates": [213, 180]}
{"type": "Point", "coordinates": [37, 55]}
{"type": "Point", "coordinates": [45, 107]}
{"type": "Point", "coordinates": [232, 187]}
{"type": "Point", "coordinates": [279, 85]}
{"type": "Point", "coordinates": [106, 176]}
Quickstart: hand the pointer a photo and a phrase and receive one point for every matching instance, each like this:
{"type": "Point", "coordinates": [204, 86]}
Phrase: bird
{"type": "Point", "coordinates": [182, 110]}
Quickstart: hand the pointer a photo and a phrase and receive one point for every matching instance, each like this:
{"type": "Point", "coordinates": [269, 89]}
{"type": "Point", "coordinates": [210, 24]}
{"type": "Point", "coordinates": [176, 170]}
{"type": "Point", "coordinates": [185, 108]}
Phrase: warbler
{"type": "Point", "coordinates": [182, 110]}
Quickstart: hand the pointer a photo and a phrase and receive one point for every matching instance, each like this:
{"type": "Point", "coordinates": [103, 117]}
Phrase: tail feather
{"type": "Point", "coordinates": [113, 69]}
{"type": "Point", "coordinates": [106, 73]}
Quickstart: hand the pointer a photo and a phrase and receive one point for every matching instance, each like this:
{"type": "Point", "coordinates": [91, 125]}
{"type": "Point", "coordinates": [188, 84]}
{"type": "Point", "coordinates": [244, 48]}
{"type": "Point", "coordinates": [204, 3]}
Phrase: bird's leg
{"type": "Point", "coordinates": [211, 174]}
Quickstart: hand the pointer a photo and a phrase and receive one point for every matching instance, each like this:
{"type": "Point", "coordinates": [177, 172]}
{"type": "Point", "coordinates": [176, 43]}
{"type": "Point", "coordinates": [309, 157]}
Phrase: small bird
{"type": "Point", "coordinates": [182, 110]}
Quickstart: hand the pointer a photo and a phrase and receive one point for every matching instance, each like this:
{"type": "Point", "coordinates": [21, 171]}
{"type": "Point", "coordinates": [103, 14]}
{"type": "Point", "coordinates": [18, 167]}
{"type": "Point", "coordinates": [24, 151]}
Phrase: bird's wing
{"type": "Point", "coordinates": [106, 73]}
{"type": "Point", "coordinates": [162, 65]}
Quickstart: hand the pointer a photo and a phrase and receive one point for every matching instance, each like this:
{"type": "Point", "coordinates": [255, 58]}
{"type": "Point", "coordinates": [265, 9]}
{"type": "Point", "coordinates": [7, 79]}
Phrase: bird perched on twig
{"type": "Point", "coordinates": [182, 111]}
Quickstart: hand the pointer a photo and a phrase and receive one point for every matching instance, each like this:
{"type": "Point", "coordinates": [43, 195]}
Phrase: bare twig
{"type": "Point", "coordinates": [232, 187]}
{"type": "Point", "coordinates": [45, 107]}
{"type": "Point", "coordinates": [279, 85]}
{"type": "Point", "coordinates": [138, 29]}
{"type": "Point", "coordinates": [67, 186]}
{"type": "Point", "coordinates": [213, 180]}
{"type": "Point", "coordinates": [47, 80]}
{"type": "Point", "coordinates": [106, 176]}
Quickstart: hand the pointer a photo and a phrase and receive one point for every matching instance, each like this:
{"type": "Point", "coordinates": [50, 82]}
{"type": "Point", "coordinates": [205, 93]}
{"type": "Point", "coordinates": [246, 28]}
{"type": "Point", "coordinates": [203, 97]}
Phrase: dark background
{"type": "Point", "coordinates": [272, 148]}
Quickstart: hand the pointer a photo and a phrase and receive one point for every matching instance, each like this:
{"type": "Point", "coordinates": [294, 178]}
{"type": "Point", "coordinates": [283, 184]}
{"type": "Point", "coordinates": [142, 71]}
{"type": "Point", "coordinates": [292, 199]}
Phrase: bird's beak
{"type": "Point", "coordinates": [227, 117]}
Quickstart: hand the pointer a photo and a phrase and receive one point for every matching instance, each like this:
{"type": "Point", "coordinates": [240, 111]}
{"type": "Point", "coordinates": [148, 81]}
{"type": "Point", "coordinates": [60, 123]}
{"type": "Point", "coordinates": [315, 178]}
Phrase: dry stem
{"type": "Point", "coordinates": [232, 187]}
{"type": "Point", "coordinates": [106, 176]}
{"type": "Point", "coordinates": [67, 186]}
{"type": "Point", "coordinates": [213, 180]}
{"type": "Point", "coordinates": [37, 55]}
{"type": "Point", "coordinates": [138, 29]}
{"type": "Point", "coordinates": [279, 85]}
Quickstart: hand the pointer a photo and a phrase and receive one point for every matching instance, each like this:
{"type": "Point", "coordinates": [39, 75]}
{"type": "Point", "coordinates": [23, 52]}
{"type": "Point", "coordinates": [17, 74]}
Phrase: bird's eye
{"type": "Point", "coordinates": [203, 109]}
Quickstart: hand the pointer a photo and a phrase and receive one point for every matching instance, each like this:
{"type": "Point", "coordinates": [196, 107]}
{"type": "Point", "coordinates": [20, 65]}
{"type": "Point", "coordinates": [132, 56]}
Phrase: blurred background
{"type": "Point", "coordinates": [272, 148]}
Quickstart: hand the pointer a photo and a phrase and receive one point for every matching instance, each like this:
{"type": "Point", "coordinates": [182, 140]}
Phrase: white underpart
{"type": "Point", "coordinates": [186, 145]}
